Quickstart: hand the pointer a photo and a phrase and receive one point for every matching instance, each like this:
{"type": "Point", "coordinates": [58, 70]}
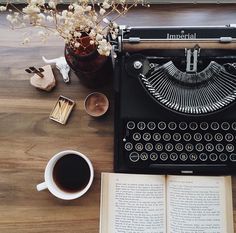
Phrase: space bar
{"type": "Point", "coordinates": [188, 168]}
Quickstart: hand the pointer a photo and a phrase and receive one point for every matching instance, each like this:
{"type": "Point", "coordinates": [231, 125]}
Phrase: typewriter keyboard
{"type": "Point", "coordinates": [179, 142]}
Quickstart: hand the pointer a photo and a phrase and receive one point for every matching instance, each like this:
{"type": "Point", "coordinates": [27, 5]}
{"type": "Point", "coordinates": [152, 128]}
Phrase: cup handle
{"type": "Point", "coordinates": [41, 186]}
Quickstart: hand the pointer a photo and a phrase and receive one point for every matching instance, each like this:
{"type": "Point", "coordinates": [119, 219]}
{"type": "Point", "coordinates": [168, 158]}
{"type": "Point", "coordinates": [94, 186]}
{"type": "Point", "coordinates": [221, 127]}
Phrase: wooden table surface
{"type": "Point", "coordinates": [28, 138]}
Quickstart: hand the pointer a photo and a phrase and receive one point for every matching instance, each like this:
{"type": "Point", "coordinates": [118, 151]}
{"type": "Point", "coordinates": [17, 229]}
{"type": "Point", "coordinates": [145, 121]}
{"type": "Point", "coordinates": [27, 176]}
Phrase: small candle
{"type": "Point", "coordinates": [96, 104]}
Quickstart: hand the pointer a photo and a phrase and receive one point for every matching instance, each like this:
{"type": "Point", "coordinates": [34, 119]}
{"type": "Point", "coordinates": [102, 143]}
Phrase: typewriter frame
{"type": "Point", "coordinates": [125, 45]}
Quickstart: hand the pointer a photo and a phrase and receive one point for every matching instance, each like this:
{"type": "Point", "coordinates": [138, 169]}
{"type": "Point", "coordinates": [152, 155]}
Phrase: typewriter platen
{"type": "Point", "coordinates": [175, 95]}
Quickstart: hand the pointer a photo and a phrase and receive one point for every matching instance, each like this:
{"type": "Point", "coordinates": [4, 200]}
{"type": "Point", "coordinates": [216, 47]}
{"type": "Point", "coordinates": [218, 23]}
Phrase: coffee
{"type": "Point", "coordinates": [71, 173]}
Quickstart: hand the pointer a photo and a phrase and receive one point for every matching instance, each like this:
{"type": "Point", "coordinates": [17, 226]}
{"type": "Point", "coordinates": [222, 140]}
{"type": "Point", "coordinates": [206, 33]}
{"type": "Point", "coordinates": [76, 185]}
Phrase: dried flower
{"type": "Point", "coordinates": [3, 8]}
{"type": "Point", "coordinates": [81, 18]}
{"type": "Point", "coordinates": [102, 11]}
{"type": "Point", "coordinates": [26, 40]}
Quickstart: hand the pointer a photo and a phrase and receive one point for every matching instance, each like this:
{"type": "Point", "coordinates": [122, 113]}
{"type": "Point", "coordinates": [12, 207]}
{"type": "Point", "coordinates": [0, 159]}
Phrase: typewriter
{"type": "Point", "coordinates": [175, 95]}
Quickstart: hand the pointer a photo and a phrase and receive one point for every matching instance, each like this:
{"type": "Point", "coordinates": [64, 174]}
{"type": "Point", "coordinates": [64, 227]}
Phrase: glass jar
{"type": "Point", "coordinates": [93, 69]}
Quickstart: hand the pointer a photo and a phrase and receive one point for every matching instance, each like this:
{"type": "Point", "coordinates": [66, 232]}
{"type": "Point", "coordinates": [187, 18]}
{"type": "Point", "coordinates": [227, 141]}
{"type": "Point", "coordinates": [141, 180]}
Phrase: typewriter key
{"type": "Point", "coordinates": [151, 125]}
{"type": "Point", "coordinates": [204, 125]}
{"type": "Point", "coordinates": [219, 147]}
{"type": "Point", "coordinates": [143, 156]}
{"type": "Point", "coordinates": [173, 156]}
{"type": "Point", "coordinates": [197, 137]}
{"type": "Point", "coordinates": [183, 156]}
{"type": "Point", "coordinates": [163, 156]}
{"type": "Point", "coordinates": [153, 156]}
{"type": "Point", "coordinates": [177, 137]}
{"type": "Point", "coordinates": [223, 157]}
{"type": "Point", "coordinates": [208, 137]}
{"type": "Point", "coordinates": [183, 125]}
{"type": "Point", "coordinates": [229, 147]}
{"type": "Point", "coordinates": [193, 157]}
{"type": "Point", "coordinates": [199, 147]}
{"type": "Point", "coordinates": [233, 125]}
{"type": "Point", "coordinates": [134, 156]}
{"type": "Point", "coordinates": [218, 137]}
{"type": "Point", "coordinates": [225, 125]}
{"type": "Point", "coordinates": [209, 147]}
{"type": "Point", "coordinates": [232, 157]}
{"type": "Point", "coordinates": [203, 157]}
{"type": "Point", "coordinates": [128, 146]}
{"type": "Point", "coordinates": [213, 157]}
{"type": "Point", "coordinates": [229, 137]}
{"type": "Point", "coordinates": [215, 125]}
{"type": "Point", "coordinates": [147, 137]}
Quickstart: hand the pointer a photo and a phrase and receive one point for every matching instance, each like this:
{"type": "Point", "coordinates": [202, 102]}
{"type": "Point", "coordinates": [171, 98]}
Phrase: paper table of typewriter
{"type": "Point", "coordinates": [175, 91]}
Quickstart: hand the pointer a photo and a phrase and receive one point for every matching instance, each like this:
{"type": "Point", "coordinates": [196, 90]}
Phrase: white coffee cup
{"type": "Point", "coordinates": [50, 184]}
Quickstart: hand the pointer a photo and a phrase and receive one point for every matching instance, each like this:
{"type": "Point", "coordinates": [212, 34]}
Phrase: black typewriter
{"type": "Point", "coordinates": [175, 95]}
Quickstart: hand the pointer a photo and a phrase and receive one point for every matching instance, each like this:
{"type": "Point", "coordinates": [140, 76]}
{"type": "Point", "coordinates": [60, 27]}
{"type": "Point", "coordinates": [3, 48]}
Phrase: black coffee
{"type": "Point", "coordinates": [71, 173]}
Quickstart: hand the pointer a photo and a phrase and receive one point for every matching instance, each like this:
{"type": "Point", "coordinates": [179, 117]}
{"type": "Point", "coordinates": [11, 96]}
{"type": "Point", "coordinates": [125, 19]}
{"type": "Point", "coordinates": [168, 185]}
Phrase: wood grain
{"type": "Point", "coordinates": [28, 138]}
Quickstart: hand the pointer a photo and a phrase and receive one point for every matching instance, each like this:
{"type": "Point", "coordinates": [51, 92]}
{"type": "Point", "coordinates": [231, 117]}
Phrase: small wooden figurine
{"type": "Point", "coordinates": [62, 66]}
{"type": "Point", "coordinates": [43, 78]}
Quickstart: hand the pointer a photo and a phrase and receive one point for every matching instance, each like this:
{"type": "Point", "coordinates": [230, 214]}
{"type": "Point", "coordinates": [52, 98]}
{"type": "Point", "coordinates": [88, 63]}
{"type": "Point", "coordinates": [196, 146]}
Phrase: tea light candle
{"type": "Point", "coordinates": [96, 104]}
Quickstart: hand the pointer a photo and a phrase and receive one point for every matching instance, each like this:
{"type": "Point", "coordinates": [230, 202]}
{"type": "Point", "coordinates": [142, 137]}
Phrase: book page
{"type": "Point", "coordinates": [197, 204]}
{"type": "Point", "coordinates": [132, 203]}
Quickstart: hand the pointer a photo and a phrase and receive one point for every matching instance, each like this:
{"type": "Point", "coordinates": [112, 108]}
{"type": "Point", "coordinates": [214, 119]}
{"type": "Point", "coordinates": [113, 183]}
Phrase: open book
{"type": "Point", "coordinates": [132, 203]}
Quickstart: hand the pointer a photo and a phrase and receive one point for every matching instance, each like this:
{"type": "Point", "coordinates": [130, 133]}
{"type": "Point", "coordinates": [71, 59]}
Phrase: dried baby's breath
{"type": "Point", "coordinates": [81, 18]}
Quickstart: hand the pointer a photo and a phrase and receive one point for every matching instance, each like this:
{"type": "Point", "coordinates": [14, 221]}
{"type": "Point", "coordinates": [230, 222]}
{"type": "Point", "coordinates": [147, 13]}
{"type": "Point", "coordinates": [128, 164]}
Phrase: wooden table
{"type": "Point", "coordinates": [28, 138]}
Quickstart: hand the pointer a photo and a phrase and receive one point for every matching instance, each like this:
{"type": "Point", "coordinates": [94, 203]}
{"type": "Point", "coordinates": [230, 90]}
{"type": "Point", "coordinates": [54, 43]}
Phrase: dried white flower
{"type": "Point", "coordinates": [41, 33]}
{"type": "Point", "coordinates": [114, 24]}
{"type": "Point", "coordinates": [77, 45]}
{"type": "Point", "coordinates": [26, 40]}
{"type": "Point", "coordinates": [81, 18]}
{"type": "Point", "coordinates": [94, 18]}
{"type": "Point", "coordinates": [102, 11]}
{"type": "Point", "coordinates": [3, 8]}
{"type": "Point", "coordinates": [70, 7]}
{"type": "Point", "coordinates": [64, 13]}
{"type": "Point", "coordinates": [37, 2]}
{"type": "Point", "coordinates": [41, 2]}
{"type": "Point", "coordinates": [50, 19]}
{"type": "Point", "coordinates": [113, 36]}
{"type": "Point", "coordinates": [106, 5]}
{"type": "Point", "coordinates": [26, 17]}
{"type": "Point", "coordinates": [92, 33]}
{"type": "Point", "coordinates": [99, 37]}
{"type": "Point", "coordinates": [9, 17]}
{"type": "Point", "coordinates": [77, 34]}
{"type": "Point", "coordinates": [31, 10]}
{"type": "Point", "coordinates": [41, 16]}
{"type": "Point", "coordinates": [88, 8]}
{"type": "Point", "coordinates": [52, 4]}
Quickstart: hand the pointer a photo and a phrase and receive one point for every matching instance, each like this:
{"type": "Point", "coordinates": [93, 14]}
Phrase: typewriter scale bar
{"type": "Point", "coordinates": [221, 43]}
{"type": "Point", "coordinates": [154, 137]}
{"type": "Point", "coordinates": [141, 38]}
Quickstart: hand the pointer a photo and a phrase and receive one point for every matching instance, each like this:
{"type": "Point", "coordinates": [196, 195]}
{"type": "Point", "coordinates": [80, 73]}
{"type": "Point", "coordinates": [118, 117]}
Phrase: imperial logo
{"type": "Point", "coordinates": [181, 36]}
